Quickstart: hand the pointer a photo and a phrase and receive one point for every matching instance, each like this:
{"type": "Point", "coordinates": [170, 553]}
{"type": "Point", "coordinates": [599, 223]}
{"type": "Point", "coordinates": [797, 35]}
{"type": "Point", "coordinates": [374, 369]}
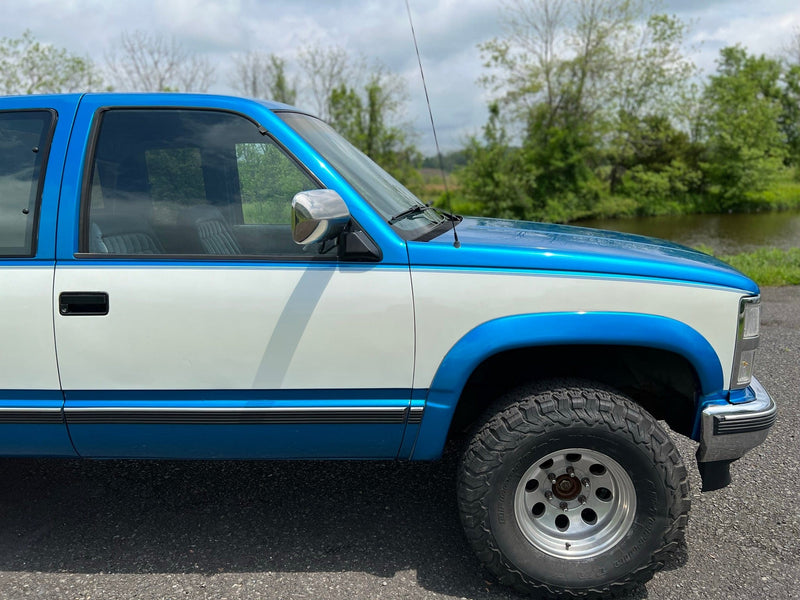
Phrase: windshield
{"type": "Point", "coordinates": [383, 192]}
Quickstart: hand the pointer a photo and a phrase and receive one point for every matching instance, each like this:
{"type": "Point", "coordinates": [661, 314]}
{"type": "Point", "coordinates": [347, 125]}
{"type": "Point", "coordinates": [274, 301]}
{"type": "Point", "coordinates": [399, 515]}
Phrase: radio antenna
{"type": "Point", "coordinates": [430, 112]}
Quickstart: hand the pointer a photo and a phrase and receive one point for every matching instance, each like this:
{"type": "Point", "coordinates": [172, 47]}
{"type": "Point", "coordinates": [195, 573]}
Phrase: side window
{"type": "Point", "coordinates": [189, 182]}
{"type": "Point", "coordinates": [24, 144]}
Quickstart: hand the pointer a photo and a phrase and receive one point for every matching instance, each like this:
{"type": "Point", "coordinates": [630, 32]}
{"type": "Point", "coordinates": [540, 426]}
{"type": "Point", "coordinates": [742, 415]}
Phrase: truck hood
{"type": "Point", "coordinates": [496, 243]}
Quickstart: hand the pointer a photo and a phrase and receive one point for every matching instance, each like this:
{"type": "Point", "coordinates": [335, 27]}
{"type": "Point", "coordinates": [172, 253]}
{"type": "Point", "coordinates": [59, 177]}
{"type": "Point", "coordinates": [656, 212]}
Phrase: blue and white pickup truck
{"type": "Point", "coordinates": [203, 277]}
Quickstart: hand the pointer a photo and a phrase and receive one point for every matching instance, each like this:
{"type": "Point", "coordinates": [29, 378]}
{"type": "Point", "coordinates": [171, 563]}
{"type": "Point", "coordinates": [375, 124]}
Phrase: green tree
{"type": "Point", "coordinates": [562, 149]}
{"type": "Point", "coordinates": [269, 179]}
{"type": "Point", "coordinates": [365, 104]}
{"type": "Point", "coordinates": [495, 181]}
{"type": "Point", "coordinates": [746, 147]}
{"type": "Point", "coordinates": [261, 75]}
{"type": "Point", "coordinates": [579, 78]}
{"type": "Point", "coordinates": [648, 90]}
{"type": "Point", "coordinates": [370, 119]}
{"type": "Point", "coordinates": [661, 167]}
{"type": "Point", "coordinates": [280, 89]}
{"type": "Point", "coordinates": [789, 120]}
{"type": "Point", "coordinates": [31, 67]}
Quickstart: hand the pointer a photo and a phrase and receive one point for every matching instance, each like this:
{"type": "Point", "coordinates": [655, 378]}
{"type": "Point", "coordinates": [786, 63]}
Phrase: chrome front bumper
{"type": "Point", "coordinates": [730, 430]}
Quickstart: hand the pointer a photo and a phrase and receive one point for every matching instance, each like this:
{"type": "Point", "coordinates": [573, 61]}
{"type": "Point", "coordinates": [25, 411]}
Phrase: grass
{"type": "Point", "coordinates": [766, 266]}
{"type": "Point", "coordinates": [783, 194]}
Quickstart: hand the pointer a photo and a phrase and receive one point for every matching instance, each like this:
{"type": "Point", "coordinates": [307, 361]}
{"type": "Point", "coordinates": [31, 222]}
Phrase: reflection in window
{"type": "Point", "coordinates": [23, 146]}
{"type": "Point", "coordinates": [190, 182]}
{"type": "Point", "coordinates": [269, 180]}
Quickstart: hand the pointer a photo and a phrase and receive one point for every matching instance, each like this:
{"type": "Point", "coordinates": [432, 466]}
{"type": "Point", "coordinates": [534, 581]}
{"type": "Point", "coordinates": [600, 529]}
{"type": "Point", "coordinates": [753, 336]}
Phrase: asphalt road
{"type": "Point", "coordinates": [147, 530]}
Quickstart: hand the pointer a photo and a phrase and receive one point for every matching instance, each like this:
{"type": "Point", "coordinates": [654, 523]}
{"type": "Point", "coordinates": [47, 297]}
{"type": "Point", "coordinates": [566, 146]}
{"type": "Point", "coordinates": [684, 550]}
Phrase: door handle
{"type": "Point", "coordinates": [83, 303]}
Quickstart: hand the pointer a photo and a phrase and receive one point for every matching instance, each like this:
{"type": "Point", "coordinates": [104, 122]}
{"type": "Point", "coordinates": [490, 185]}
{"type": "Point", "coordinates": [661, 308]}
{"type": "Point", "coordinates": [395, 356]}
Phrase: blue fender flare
{"type": "Point", "coordinates": [554, 329]}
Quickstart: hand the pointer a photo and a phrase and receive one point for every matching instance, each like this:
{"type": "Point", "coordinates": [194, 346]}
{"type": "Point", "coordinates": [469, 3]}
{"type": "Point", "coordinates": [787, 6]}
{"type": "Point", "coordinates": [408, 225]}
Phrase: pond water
{"type": "Point", "coordinates": [726, 234]}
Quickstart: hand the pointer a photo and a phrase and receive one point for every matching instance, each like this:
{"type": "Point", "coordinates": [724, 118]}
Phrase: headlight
{"type": "Point", "coordinates": [751, 317]}
{"type": "Point", "coordinates": [747, 337]}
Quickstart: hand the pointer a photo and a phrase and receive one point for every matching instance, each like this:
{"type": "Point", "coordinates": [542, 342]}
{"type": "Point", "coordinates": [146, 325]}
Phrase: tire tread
{"type": "Point", "coordinates": [535, 409]}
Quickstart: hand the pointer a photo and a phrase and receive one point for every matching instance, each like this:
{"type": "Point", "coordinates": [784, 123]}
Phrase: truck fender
{"type": "Point", "coordinates": [554, 329]}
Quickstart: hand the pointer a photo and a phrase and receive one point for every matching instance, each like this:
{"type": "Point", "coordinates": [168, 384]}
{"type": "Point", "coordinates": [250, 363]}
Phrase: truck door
{"type": "Point", "coordinates": [33, 137]}
{"type": "Point", "coordinates": [189, 325]}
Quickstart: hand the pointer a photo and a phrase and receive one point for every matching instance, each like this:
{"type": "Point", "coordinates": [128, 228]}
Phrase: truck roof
{"type": "Point", "coordinates": [167, 97]}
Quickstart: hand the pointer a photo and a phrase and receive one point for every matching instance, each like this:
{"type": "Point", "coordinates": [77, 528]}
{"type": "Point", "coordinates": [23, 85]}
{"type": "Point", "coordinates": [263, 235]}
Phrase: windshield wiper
{"type": "Point", "coordinates": [420, 208]}
{"type": "Point", "coordinates": [410, 212]}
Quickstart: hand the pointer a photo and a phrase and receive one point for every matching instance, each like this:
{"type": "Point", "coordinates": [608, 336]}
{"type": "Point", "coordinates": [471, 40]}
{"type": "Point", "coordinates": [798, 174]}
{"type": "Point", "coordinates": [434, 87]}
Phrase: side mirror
{"type": "Point", "coordinates": [317, 216]}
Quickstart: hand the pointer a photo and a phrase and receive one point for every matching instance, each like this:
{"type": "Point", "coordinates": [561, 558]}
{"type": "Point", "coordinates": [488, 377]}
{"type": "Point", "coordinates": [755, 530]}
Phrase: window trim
{"type": "Point", "coordinates": [86, 185]}
{"type": "Point", "coordinates": [37, 208]}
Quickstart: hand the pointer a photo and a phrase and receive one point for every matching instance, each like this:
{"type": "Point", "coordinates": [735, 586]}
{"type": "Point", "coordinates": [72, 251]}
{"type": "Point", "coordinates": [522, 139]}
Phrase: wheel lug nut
{"type": "Point", "coordinates": [548, 494]}
{"type": "Point", "coordinates": [585, 481]}
{"type": "Point", "coordinates": [570, 471]}
{"type": "Point", "coordinates": [552, 476]}
{"type": "Point", "coordinates": [563, 506]}
{"type": "Point", "coordinates": [582, 499]}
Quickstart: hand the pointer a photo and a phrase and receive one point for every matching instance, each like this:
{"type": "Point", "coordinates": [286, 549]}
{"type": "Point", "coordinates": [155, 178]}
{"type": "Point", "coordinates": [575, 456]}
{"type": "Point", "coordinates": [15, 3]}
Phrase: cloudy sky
{"type": "Point", "coordinates": [448, 32]}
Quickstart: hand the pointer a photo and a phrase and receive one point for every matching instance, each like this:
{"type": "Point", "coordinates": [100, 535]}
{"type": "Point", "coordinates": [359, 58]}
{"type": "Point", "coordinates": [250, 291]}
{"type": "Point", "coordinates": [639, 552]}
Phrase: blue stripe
{"type": "Point", "coordinates": [156, 262]}
{"type": "Point", "coordinates": [519, 244]}
{"type": "Point", "coordinates": [343, 397]}
{"type": "Point", "coordinates": [145, 402]}
{"type": "Point", "coordinates": [30, 263]}
{"type": "Point", "coordinates": [530, 272]}
{"type": "Point", "coordinates": [43, 398]}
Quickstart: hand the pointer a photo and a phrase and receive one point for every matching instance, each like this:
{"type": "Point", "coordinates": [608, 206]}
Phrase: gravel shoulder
{"type": "Point", "coordinates": [201, 530]}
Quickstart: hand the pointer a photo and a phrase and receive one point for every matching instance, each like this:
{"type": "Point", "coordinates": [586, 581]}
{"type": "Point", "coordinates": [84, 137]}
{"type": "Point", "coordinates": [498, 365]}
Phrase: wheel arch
{"type": "Point", "coordinates": [607, 334]}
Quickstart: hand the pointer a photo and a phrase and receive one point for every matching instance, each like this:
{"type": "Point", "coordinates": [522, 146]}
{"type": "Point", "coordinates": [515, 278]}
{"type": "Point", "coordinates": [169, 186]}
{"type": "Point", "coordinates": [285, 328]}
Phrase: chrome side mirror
{"type": "Point", "coordinates": [317, 216]}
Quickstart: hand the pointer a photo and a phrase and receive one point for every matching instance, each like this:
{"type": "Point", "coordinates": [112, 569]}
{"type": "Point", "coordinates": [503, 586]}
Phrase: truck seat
{"type": "Point", "coordinates": [213, 231]}
{"type": "Point", "coordinates": [121, 233]}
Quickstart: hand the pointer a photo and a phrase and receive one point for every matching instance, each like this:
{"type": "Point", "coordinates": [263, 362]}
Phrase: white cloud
{"type": "Point", "coordinates": [448, 33]}
{"type": "Point", "coordinates": [760, 34]}
{"type": "Point", "coordinates": [215, 23]}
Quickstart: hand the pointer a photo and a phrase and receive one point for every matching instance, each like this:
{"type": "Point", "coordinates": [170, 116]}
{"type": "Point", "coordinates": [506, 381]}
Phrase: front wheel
{"type": "Point", "coordinates": [570, 489]}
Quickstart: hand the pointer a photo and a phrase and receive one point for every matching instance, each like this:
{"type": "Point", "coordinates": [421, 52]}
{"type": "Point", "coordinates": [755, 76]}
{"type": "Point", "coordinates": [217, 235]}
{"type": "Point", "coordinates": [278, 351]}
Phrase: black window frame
{"type": "Point", "coordinates": [86, 188]}
{"type": "Point", "coordinates": [40, 176]}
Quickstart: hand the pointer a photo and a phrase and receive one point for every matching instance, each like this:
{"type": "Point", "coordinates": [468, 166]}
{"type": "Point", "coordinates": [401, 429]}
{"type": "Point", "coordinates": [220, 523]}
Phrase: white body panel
{"type": "Point", "coordinates": [238, 327]}
{"type": "Point", "coordinates": [450, 303]}
{"type": "Point", "coordinates": [27, 355]}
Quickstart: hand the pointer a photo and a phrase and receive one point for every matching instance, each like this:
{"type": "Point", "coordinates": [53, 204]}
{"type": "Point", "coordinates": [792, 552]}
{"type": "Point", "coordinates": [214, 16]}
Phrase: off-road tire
{"type": "Point", "coordinates": [539, 421]}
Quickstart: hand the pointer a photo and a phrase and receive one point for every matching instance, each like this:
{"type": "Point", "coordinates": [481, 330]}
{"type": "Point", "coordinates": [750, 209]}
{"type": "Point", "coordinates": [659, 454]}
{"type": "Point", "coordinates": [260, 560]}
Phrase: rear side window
{"type": "Point", "coordinates": [24, 144]}
{"type": "Point", "coordinates": [182, 182]}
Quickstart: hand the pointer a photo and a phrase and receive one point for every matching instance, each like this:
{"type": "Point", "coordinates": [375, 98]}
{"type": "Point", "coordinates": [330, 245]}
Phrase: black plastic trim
{"type": "Point", "coordinates": [349, 242]}
{"type": "Point", "coordinates": [155, 258]}
{"type": "Point", "coordinates": [23, 416]}
{"type": "Point", "coordinates": [714, 475]}
{"type": "Point", "coordinates": [254, 416]}
{"type": "Point", "coordinates": [415, 415]}
{"type": "Point", "coordinates": [724, 426]}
